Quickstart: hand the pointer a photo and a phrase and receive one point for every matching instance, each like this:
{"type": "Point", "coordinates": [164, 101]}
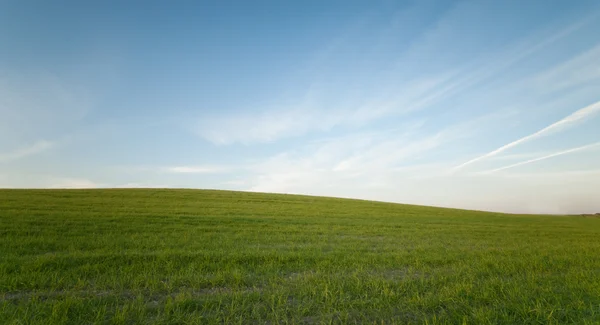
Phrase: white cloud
{"type": "Point", "coordinates": [32, 105]}
{"type": "Point", "coordinates": [266, 126]}
{"type": "Point", "coordinates": [73, 183]}
{"type": "Point", "coordinates": [367, 159]}
{"type": "Point", "coordinates": [555, 154]}
{"type": "Point", "coordinates": [195, 169]}
{"type": "Point", "coordinates": [573, 119]}
{"type": "Point", "coordinates": [142, 185]}
{"type": "Point", "coordinates": [518, 156]}
{"type": "Point", "coordinates": [382, 166]}
{"type": "Point", "coordinates": [580, 70]}
{"type": "Point", "coordinates": [176, 169]}
{"type": "Point", "coordinates": [37, 147]}
{"type": "Point", "coordinates": [567, 174]}
{"type": "Point", "coordinates": [309, 115]}
{"type": "Point", "coordinates": [322, 109]}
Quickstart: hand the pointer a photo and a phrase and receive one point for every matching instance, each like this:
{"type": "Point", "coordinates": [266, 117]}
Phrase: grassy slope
{"type": "Point", "coordinates": [185, 256]}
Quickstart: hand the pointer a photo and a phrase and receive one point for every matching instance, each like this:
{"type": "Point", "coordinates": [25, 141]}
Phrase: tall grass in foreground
{"type": "Point", "coordinates": [218, 257]}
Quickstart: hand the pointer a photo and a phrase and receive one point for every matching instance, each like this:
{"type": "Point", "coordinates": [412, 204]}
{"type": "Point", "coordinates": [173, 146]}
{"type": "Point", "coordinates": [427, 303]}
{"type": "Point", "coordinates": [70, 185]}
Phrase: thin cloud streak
{"type": "Point", "coordinates": [74, 183]}
{"type": "Point", "coordinates": [195, 169]}
{"type": "Point", "coordinates": [565, 174]}
{"type": "Point", "coordinates": [36, 148]}
{"type": "Point", "coordinates": [569, 121]}
{"type": "Point", "coordinates": [400, 97]}
{"type": "Point", "coordinates": [556, 154]}
{"type": "Point", "coordinates": [580, 70]}
{"type": "Point", "coordinates": [366, 158]}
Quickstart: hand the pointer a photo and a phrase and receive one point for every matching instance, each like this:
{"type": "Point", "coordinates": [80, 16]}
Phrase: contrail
{"type": "Point", "coordinates": [560, 153]}
{"type": "Point", "coordinates": [576, 117]}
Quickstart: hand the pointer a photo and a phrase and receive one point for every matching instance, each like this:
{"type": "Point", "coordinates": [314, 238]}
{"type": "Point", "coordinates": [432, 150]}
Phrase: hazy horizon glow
{"type": "Point", "coordinates": [489, 105]}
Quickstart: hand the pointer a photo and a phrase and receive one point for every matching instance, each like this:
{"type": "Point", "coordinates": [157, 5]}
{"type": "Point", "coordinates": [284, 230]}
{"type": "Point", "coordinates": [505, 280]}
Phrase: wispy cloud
{"type": "Point", "coordinates": [37, 104]}
{"type": "Point", "coordinates": [37, 147]}
{"type": "Point", "coordinates": [368, 159]}
{"type": "Point", "coordinates": [175, 169]}
{"type": "Point", "coordinates": [583, 68]}
{"type": "Point", "coordinates": [589, 174]}
{"type": "Point", "coordinates": [195, 169]}
{"type": "Point", "coordinates": [74, 183]}
{"type": "Point", "coordinates": [556, 154]}
{"type": "Point", "coordinates": [518, 156]}
{"type": "Point", "coordinates": [142, 185]}
{"type": "Point", "coordinates": [314, 113]}
{"type": "Point", "coordinates": [265, 127]}
{"type": "Point", "coordinates": [575, 118]}
{"type": "Point", "coordinates": [331, 163]}
{"type": "Point", "coordinates": [398, 93]}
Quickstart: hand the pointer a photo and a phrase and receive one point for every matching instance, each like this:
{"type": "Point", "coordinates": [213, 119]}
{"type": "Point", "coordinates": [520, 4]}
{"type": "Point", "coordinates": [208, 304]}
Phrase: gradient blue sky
{"type": "Point", "coordinates": [489, 105]}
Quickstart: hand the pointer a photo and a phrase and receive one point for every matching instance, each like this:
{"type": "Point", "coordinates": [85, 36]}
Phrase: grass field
{"type": "Point", "coordinates": [218, 257]}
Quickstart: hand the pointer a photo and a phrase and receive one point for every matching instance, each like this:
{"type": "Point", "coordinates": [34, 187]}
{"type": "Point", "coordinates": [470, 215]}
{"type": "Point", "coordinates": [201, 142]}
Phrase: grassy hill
{"type": "Point", "coordinates": [201, 257]}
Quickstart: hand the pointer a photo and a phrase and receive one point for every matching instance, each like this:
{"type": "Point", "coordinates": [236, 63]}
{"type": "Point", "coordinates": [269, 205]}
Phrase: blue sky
{"type": "Point", "coordinates": [490, 105]}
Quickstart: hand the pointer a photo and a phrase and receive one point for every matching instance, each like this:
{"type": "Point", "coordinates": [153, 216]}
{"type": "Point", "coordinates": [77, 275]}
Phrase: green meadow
{"type": "Point", "coordinates": [124, 256]}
